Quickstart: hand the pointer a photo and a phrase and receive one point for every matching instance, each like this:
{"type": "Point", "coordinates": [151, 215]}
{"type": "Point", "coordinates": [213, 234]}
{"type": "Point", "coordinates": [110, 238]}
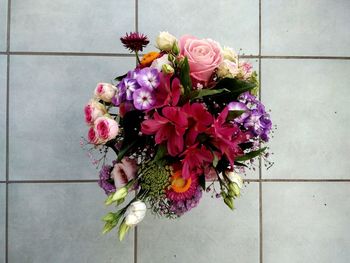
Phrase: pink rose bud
{"type": "Point", "coordinates": [204, 56]}
{"type": "Point", "coordinates": [123, 172]}
{"type": "Point", "coordinates": [106, 129]}
{"type": "Point", "coordinates": [93, 110]}
{"type": "Point", "coordinates": [105, 91]}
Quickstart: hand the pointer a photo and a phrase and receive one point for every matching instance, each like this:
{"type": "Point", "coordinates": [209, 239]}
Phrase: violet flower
{"type": "Point", "coordinates": [148, 78]}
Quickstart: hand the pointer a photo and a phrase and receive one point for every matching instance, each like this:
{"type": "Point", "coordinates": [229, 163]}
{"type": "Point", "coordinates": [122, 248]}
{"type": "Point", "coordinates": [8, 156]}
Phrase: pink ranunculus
{"type": "Point", "coordinates": [204, 56]}
{"type": "Point", "coordinates": [106, 129]}
{"type": "Point", "coordinates": [105, 91]}
{"type": "Point", "coordinates": [93, 110]}
{"type": "Point", "coordinates": [123, 172]}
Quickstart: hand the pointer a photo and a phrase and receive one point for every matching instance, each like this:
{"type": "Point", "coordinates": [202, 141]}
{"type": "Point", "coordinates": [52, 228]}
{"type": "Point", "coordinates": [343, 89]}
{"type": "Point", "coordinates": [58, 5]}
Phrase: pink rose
{"type": "Point", "coordinates": [92, 136]}
{"type": "Point", "coordinates": [106, 129]}
{"type": "Point", "coordinates": [93, 110]}
{"type": "Point", "coordinates": [123, 172]}
{"type": "Point", "coordinates": [105, 91]}
{"type": "Point", "coordinates": [246, 70]}
{"type": "Point", "coordinates": [204, 56]}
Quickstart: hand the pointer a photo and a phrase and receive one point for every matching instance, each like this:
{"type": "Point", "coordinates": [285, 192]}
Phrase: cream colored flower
{"type": "Point", "coordinates": [165, 41]}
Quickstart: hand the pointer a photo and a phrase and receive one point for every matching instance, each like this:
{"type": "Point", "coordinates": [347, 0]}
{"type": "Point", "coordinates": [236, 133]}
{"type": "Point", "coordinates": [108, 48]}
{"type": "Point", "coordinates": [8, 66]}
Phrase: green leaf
{"type": "Point", "coordinates": [197, 94]}
{"type": "Point", "coordinates": [250, 155]}
{"type": "Point", "coordinates": [235, 86]}
{"type": "Point", "coordinates": [240, 164]}
{"type": "Point", "coordinates": [233, 114]}
{"type": "Point", "coordinates": [119, 78]}
{"type": "Point", "coordinates": [123, 151]}
{"type": "Point", "coordinates": [161, 152]}
{"type": "Point", "coordinates": [185, 77]}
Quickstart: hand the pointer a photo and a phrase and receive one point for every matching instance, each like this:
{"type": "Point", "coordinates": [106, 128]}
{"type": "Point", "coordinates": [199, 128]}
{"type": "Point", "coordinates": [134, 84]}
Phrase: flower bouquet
{"type": "Point", "coordinates": [184, 121]}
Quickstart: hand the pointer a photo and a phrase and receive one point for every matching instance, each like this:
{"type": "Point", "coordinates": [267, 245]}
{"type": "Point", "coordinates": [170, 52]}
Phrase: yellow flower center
{"type": "Point", "coordinates": [180, 184]}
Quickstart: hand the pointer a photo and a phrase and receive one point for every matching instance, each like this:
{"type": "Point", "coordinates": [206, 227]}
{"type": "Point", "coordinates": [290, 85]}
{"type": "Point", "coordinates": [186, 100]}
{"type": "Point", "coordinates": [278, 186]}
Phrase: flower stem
{"type": "Point", "coordinates": [137, 57]}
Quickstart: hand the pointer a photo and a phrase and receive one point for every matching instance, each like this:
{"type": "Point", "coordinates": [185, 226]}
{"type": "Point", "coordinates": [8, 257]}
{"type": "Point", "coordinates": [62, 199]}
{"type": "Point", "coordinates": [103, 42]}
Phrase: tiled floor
{"type": "Point", "coordinates": [50, 206]}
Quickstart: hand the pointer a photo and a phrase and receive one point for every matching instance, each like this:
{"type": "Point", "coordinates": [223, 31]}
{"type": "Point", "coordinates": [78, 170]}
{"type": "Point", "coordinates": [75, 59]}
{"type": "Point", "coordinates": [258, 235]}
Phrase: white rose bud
{"type": "Point", "coordinates": [229, 54]}
{"type": "Point", "coordinates": [227, 69]}
{"type": "Point", "coordinates": [135, 213]}
{"type": "Point", "coordinates": [165, 41]}
{"type": "Point", "coordinates": [235, 178]}
{"type": "Point", "coordinates": [105, 91]}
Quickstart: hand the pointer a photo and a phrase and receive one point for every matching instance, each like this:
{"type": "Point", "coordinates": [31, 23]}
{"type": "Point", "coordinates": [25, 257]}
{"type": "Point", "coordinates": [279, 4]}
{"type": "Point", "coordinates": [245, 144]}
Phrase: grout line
{"type": "Point", "coordinates": [97, 54]}
{"type": "Point", "coordinates": [260, 160]}
{"type": "Point", "coordinates": [278, 180]}
{"type": "Point", "coordinates": [82, 54]}
{"type": "Point", "coordinates": [51, 181]}
{"type": "Point", "coordinates": [7, 130]}
{"type": "Point", "coordinates": [136, 227]}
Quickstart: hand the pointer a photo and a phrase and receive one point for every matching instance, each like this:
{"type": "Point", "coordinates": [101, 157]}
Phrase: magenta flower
{"type": "Point", "coordinates": [134, 41]}
{"type": "Point", "coordinates": [195, 160]}
{"type": "Point", "coordinates": [170, 128]}
{"type": "Point", "coordinates": [143, 99]}
{"type": "Point", "coordinates": [199, 120]}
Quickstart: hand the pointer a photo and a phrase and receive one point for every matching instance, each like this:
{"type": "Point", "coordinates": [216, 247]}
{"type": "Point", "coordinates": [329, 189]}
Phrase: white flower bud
{"type": "Point", "coordinates": [235, 178]}
{"type": "Point", "coordinates": [165, 41]}
{"type": "Point", "coordinates": [229, 54]}
{"type": "Point", "coordinates": [135, 213]}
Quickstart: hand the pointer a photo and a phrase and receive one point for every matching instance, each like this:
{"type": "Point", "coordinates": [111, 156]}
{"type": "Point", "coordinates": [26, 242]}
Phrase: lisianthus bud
{"type": "Point", "coordinates": [167, 69]}
{"type": "Point", "coordinates": [229, 54]}
{"type": "Point", "coordinates": [165, 41]}
{"type": "Point", "coordinates": [123, 229]}
{"type": "Point", "coordinates": [120, 194]}
{"type": "Point", "coordinates": [135, 213]}
{"type": "Point", "coordinates": [229, 202]}
{"type": "Point", "coordinates": [93, 110]}
{"type": "Point", "coordinates": [235, 178]}
{"type": "Point", "coordinates": [234, 189]}
{"type": "Point", "coordinates": [105, 91]}
{"type": "Point", "coordinates": [106, 129]}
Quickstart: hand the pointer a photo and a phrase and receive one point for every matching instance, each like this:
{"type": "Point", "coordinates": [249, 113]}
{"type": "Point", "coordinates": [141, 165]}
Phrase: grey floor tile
{"type": "Point", "coordinates": [3, 25]}
{"type": "Point", "coordinates": [232, 23]}
{"type": "Point", "coordinates": [309, 101]}
{"type": "Point", "coordinates": [306, 222]}
{"type": "Point", "coordinates": [3, 69]}
{"type": "Point", "coordinates": [209, 233]}
{"type": "Point", "coordinates": [46, 113]}
{"type": "Point", "coordinates": [306, 27]}
{"type": "Point", "coordinates": [2, 223]}
{"type": "Point", "coordinates": [61, 223]}
{"type": "Point", "coordinates": [72, 26]}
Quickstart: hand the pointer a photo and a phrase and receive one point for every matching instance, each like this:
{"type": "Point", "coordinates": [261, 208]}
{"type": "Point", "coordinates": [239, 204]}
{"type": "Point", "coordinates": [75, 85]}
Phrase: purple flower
{"type": "Point", "coordinates": [143, 99]}
{"type": "Point", "coordinates": [181, 207]}
{"type": "Point", "coordinates": [148, 78]}
{"type": "Point", "coordinates": [239, 106]}
{"type": "Point", "coordinates": [105, 181]}
{"type": "Point", "coordinates": [255, 120]}
{"type": "Point", "coordinates": [127, 86]}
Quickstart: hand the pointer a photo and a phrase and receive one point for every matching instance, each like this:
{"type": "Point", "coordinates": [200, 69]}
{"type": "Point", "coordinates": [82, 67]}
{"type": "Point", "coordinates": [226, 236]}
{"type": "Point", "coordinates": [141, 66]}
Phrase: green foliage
{"type": "Point", "coordinates": [185, 78]}
{"type": "Point", "coordinates": [198, 94]}
{"type": "Point", "coordinates": [250, 155]}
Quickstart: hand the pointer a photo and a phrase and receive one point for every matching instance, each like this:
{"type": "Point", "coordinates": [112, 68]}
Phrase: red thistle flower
{"type": "Point", "coordinates": [134, 41]}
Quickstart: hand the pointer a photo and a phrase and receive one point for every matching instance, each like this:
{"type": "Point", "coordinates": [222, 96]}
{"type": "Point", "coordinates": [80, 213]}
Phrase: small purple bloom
{"type": "Point", "coordinates": [256, 120]}
{"type": "Point", "coordinates": [128, 86]}
{"type": "Point", "coordinates": [148, 78]}
{"type": "Point", "coordinates": [143, 99]}
{"type": "Point", "coordinates": [105, 181]}
{"type": "Point", "coordinates": [181, 207]}
{"type": "Point", "coordinates": [239, 106]}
